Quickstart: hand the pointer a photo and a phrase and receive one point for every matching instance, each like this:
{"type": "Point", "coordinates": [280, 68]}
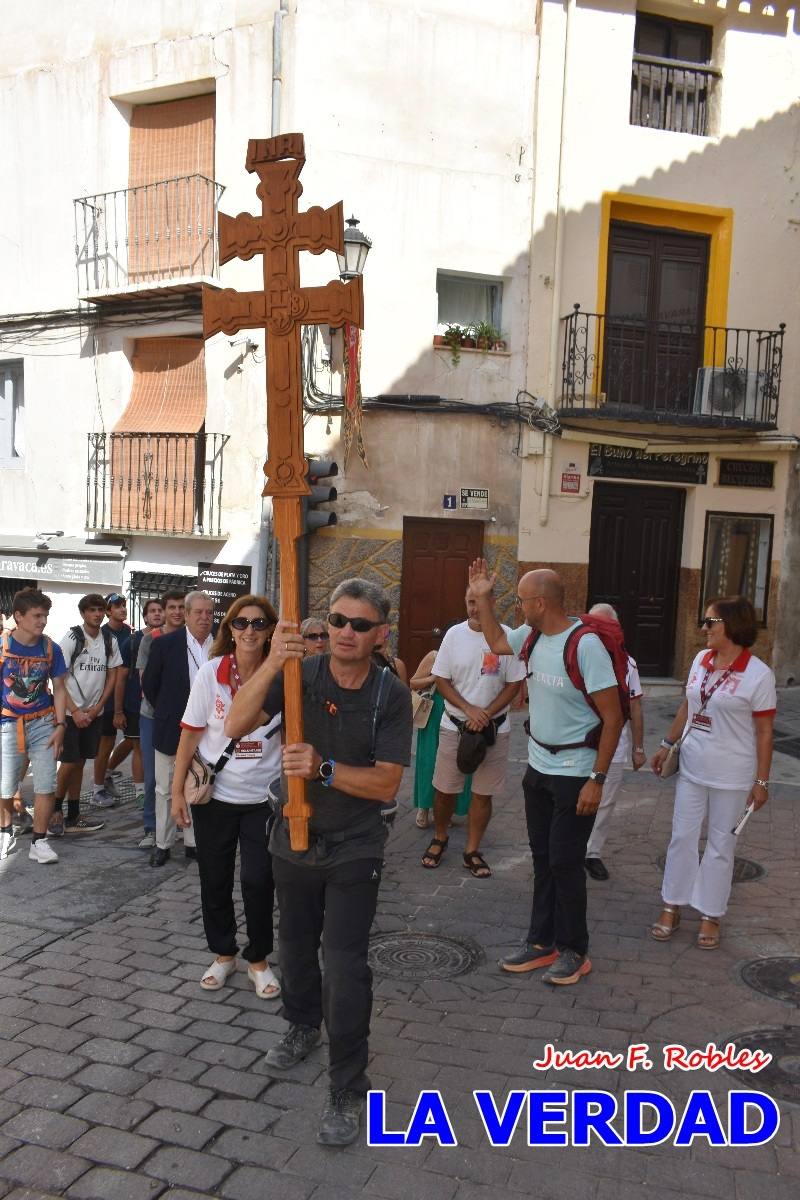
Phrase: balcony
{"type": "Point", "coordinates": [672, 95]}
{"type": "Point", "coordinates": [155, 483]}
{"type": "Point", "coordinates": [154, 236]}
{"type": "Point", "coordinates": [670, 372]}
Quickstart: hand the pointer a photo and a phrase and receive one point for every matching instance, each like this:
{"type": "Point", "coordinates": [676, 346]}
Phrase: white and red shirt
{"type": "Point", "coordinates": [257, 757]}
{"type": "Point", "coordinates": [464, 658]}
{"type": "Point", "coordinates": [719, 745]}
{"type": "Point", "coordinates": [622, 754]}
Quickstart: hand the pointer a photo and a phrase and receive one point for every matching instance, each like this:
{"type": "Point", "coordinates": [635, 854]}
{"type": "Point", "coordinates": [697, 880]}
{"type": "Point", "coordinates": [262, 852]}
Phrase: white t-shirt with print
{"type": "Point", "coordinates": [464, 658]}
{"type": "Point", "coordinates": [86, 671]}
{"type": "Point", "coordinates": [256, 761]}
{"type": "Point", "coordinates": [622, 754]}
{"type": "Point", "coordinates": [723, 754]}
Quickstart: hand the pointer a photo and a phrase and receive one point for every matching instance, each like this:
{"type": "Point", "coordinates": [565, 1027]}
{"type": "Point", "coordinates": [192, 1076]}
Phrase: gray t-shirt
{"type": "Point", "coordinates": [146, 708]}
{"type": "Point", "coordinates": [338, 723]}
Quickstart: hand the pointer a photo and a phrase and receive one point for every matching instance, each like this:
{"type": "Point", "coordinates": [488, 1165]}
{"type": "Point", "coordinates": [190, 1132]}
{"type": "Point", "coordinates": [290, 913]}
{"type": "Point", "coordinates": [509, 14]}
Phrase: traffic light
{"type": "Point", "coordinates": [321, 493]}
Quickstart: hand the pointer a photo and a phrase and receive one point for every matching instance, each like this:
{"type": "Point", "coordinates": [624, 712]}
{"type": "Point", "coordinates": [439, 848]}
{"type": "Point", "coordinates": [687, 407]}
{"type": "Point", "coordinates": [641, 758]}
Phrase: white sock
{"type": "Point", "coordinates": [97, 787]}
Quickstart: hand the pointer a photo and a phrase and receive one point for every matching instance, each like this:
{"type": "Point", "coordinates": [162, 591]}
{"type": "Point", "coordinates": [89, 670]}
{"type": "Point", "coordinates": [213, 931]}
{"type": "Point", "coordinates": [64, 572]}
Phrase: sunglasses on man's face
{"type": "Point", "coordinates": [707, 622]}
{"type": "Point", "coordinates": [358, 624]}
{"type": "Point", "coordinates": [259, 623]}
{"type": "Point", "coordinates": [322, 636]}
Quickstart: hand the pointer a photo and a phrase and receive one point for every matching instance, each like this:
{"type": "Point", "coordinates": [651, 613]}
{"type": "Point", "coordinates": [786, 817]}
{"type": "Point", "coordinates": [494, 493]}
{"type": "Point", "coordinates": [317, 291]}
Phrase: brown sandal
{"type": "Point", "coordinates": [708, 941]}
{"type": "Point", "coordinates": [433, 855]}
{"type": "Point", "coordinates": [661, 931]}
{"type": "Point", "coordinates": [477, 865]}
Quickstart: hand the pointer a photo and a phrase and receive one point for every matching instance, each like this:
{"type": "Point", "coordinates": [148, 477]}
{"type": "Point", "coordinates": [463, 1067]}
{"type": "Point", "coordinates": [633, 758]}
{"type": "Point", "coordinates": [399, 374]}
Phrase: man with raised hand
{"type": "Point", "coordinates": [33, 718]}
{"type": "Point", "coordinates": [357, 725]}
{"type": "Point", "coordinates": [477, 686]}
{"type": "Point", "coordinates": [567, 765]}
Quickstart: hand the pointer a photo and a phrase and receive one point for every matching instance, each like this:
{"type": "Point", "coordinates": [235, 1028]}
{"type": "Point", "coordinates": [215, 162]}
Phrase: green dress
{"type": "Point", "coordinates": [427, 745]}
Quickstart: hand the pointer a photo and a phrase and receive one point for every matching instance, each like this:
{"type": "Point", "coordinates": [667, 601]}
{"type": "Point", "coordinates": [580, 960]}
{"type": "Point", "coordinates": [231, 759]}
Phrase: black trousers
{"type": "Point", "coordinates": [558, 839]}
{"type": "Point", "coordinates": [219, 828]}
{"type": "Point", "coordinates": [334, 906]}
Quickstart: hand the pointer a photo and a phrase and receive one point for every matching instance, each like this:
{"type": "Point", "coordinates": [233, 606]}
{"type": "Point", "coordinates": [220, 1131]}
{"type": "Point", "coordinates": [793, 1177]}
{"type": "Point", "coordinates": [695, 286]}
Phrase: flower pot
{"type": "Point", "coordinates": [483, 344]}
{"type": "Point", "coordinates": [438, 339]}
{"type": "Point", "coordinates": [468, 343]}
{"type": "Point", "coordinates": [499, 345]}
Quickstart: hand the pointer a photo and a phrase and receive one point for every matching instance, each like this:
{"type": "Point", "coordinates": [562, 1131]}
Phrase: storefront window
{"type": "Point", "coordinates": [736, 561]}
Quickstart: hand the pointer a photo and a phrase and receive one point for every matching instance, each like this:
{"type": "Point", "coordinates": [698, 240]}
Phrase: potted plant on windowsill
{"type": "Point", "coordinates": [453, 337]}
{"type": "Point", "coordinates": [468, 337]}
{"type": "Point", "coordinates": [485, 335]}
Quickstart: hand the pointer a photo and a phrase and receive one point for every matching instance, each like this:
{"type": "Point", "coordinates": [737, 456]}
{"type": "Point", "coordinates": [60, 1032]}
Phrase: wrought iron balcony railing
{"type": "Point", "coordinates": [148, 234]}
{"type": "Point", "coordinates": [667, 93]}
{"type": "Point", "coordinates": [157, 483]}
{"type": "Point", "coordinates": [624, 367]}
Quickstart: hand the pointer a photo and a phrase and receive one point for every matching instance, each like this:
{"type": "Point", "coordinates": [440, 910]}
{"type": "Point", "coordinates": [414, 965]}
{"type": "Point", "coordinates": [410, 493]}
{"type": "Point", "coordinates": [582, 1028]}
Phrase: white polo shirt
{"type": "Point", "coordinates": [464, 658]}
{"type": "Point", "coordinates": [257, 757]}
{"type": "Point", "coordinates": [722, 754]}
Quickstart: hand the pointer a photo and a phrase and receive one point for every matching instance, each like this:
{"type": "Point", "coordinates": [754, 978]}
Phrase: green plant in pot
{"type": "Point", "coordinates": [452, 338]}
{"type": "Point", "coordinates": [486, 335]}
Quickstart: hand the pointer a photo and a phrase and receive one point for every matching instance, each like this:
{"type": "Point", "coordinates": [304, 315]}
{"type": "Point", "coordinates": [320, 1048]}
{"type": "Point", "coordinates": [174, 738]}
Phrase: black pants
{"type": "Point", "coordinates": [558, 839]}
{"type": "Point", "coordinates": [335, 906]}
{"type": "Point", "coordinates": [218, 828]}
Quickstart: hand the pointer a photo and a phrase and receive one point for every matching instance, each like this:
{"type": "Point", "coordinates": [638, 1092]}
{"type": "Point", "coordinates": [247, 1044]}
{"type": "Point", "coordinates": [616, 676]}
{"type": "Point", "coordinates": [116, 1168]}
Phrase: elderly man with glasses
{"type": "Point", "coordinates": [357, 722]}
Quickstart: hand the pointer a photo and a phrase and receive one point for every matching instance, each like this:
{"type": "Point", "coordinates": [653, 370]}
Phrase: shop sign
{"type": "Point", "coordinates": [571, 480]}
{"type": "Point", "coordinates": [45, 568]}
{"type": "Point", "coordinates": [627, 462]}
{"type": "Point", "coordinates": [741, 472]}
{"type": "Point", "coordinates": [474, 497]}
{"type": "Point", "coordinates": [224, 584]}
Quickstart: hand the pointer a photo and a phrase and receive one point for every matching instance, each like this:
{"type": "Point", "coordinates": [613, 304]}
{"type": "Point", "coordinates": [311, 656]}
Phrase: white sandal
{"type": "Point", "coordinates": [217, 975]}
{"type": "Point", "coordinates": [265, 982]}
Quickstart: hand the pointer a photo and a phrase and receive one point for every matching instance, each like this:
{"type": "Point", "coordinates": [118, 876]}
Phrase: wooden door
{"type": "Point", "coordinates": [634, 564]}
{"type": "Point", "coordinates": [655, 314]}
{"type": "Point", "coordinates": [436, 555]}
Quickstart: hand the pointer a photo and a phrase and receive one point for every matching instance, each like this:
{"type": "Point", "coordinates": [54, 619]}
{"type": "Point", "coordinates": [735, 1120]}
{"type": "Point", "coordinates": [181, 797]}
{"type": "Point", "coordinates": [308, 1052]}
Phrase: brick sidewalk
{"type": "Point", "coordinates": [121, 1079]}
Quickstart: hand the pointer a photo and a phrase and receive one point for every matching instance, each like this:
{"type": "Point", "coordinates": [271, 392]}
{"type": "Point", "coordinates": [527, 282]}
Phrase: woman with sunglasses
{"type": "Point", "coordinates": [315, 636]}
{"type": "Point", "coordinates": [238, 813]}
{"type": "Point", "coordinates": [725, 727]}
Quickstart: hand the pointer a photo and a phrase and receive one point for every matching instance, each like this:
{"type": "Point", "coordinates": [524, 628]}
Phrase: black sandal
{"type": "Point", "coordinates": [477, 865]}
{"type": "Point", "coordinates": [432, 855]}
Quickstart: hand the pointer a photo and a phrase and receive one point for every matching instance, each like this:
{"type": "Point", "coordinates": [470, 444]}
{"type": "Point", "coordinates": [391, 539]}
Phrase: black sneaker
{"type": "Point", "coordinates": [596, 868]}
{"type": "Point", "coordinates": [82, 825]}
{"type": "Point", "coordinates": [568, 968]}
{"type": "Point", "coordinates": [529, 958]}
{"type": "Point", "coordinates": [293, 1047]}
{"type": "Point", "coordinates": [341, 1118]}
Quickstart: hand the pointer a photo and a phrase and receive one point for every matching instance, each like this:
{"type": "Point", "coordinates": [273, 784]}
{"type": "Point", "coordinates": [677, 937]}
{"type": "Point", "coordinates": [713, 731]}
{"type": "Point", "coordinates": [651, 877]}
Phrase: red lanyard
{"type": "Point", "coordinates": [236, 679]}
{"type": "Point", "coordinates": [706, 696]}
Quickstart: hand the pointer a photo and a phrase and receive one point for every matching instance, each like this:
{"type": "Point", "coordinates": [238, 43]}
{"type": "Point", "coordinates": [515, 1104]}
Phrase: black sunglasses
{"type": "Point", "coordinates": [359, 624]}
{"type": "Point", "coordinates": [259, 623]}
{"type": "Point", "coordinates": [317, 637]}
{"type": "Point", "coordinates": [706, 621]}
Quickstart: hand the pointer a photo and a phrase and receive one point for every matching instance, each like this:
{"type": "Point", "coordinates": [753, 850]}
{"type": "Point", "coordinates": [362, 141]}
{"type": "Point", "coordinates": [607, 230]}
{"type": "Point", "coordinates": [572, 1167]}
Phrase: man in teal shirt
{"type": "Point", "coordinates": [563, 784]}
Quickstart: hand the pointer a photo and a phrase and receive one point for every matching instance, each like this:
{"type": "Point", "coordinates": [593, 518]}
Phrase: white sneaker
{"type": "Point", "coordinates": [42, 852]}
{"type": "Point", "coordinates": [7, 844]}
{"type": "Point", "coordinates": [112, 779]}
{"type": "Point", "coordinates": [147, 842]}
{"type": "Point", "coordinates": [101, 799]}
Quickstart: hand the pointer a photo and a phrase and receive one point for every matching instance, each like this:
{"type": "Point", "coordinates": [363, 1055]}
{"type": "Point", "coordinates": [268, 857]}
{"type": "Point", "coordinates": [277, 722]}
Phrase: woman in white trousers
{"type": "Point", "coordinates": [725, 726]}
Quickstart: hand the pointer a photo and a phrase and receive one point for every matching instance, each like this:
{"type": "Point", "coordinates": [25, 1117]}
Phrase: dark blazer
{"type": "Point", "coordinates": [165, 683]}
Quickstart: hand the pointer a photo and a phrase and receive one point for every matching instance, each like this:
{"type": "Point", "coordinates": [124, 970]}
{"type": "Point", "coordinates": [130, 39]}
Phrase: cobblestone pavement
{"type": "Point", "coordinates": [120, 1079]}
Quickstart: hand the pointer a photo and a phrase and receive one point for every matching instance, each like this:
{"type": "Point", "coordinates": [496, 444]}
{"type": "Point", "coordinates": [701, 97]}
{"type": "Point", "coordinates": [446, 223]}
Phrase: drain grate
{"type": "Point", "coordinates": [744, 869]}
{"type": "Point", "coordinates": [781, 1079]}
{"type": "Point", "coordinates": [421, 956]}
{"type": "Point", "coordinates": [775, 977]}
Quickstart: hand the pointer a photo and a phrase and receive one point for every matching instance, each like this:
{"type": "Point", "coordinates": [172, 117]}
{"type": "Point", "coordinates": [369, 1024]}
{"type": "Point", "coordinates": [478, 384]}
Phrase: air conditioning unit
{"type": "Point", "coordinates": [728, 392]}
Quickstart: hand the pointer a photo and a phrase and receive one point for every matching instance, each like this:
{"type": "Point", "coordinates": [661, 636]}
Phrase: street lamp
{"type": "Point", "coordinates": [356, 248]}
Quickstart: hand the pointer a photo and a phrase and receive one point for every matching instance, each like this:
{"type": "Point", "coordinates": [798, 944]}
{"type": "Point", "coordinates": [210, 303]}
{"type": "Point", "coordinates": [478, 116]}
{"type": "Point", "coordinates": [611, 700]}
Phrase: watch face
{"type": "Point", "coordinates": [325, 770]}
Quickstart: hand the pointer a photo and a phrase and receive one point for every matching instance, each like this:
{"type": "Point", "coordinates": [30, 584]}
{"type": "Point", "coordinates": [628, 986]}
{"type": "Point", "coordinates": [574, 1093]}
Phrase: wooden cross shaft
{"type": "Point", "coordinates": [279, 234]}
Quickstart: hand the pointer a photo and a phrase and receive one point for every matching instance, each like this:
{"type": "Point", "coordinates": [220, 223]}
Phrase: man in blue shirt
{"type": "Point", "coordinates": [33, 719]}
{"type": "Point", "coordinates": [563, 784]}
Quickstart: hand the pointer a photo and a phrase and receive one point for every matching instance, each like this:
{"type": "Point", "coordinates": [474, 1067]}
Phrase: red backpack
{"type": "Point", "coordinates": [612, 637]}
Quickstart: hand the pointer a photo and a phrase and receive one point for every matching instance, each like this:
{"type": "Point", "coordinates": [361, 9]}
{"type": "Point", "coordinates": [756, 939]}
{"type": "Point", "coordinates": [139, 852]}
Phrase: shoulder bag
{"type": "Point", "coordinates": [201, 775]}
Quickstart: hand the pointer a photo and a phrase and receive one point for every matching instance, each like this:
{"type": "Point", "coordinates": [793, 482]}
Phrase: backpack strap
{"type": "Point", "coordinates": [108, 639]}
{"type": "Point", "coordinates": [80, 645]}
{"type": "Point", "coordinates": [378, 689]}
{"type": "Point", "coordinates": [527, 649]}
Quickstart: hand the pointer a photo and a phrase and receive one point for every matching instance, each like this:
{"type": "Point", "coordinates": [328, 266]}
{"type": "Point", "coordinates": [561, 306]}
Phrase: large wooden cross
{"type": "Point", "coordinates": [279, 234]}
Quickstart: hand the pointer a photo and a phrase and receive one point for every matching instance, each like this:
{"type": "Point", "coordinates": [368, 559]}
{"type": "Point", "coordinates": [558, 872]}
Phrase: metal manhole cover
{"type": "Point", "coordinates": [744, 869]}
{"type": "Point", "coordinates": [781, 1078]}
{"type": "Point", "coordinates": [776, 977]}
{"type": "Point", "coordinates": [421, 956]}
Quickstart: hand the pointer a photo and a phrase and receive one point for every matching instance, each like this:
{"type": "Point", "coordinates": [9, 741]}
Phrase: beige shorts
{"type": "Point", "coordinates": [488, 780]}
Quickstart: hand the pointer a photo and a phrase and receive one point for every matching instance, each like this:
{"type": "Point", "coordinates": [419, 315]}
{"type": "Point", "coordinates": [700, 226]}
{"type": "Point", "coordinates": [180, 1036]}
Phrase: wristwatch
{"type": "Point", "coordinates": [598, 777]}
{"type": "Point", "coordinates": [326, 772]}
